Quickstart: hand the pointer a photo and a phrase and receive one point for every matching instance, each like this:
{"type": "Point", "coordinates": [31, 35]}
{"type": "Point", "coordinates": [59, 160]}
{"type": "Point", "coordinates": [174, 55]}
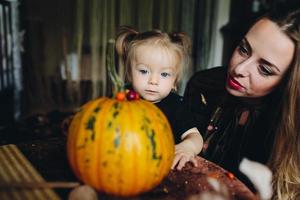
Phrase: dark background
{"type": "Point", "coordinates": [41, 19]}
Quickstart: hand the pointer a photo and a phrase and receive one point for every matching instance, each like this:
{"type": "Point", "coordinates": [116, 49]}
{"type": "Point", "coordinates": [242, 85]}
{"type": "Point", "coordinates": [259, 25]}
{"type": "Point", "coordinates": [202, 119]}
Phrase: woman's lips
{"type": "Point", "coordinates": [234, 84]}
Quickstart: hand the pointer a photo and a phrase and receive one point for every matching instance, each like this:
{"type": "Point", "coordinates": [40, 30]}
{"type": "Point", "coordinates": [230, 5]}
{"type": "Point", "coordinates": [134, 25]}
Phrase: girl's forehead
{"type": "Point", "coordinates": [155, 49]}
{"type": "Point", "coordinates": [155, 55]}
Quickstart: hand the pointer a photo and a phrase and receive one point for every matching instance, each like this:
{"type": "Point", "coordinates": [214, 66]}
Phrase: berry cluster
{"type": "Point", "coordinates": [127, 95]}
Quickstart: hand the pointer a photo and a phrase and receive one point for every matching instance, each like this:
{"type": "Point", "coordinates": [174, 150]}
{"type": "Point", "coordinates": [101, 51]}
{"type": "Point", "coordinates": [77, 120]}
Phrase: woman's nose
{"type": "Point", "coordinates": [243, 68]}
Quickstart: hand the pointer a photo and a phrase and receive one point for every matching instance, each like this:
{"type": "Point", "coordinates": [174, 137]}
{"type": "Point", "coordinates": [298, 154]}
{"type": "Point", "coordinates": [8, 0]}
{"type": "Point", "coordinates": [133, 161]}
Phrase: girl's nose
{"type": "Point", "coordinates": [153, 80]}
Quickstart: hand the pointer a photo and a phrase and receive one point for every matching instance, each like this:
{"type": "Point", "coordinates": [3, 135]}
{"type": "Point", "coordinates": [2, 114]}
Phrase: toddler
{"type": "Point", "coordinates": [154, 63]}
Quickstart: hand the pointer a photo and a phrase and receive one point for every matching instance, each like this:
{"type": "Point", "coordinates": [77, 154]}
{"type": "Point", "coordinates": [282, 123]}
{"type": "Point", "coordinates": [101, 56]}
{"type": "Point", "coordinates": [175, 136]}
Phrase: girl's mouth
{"type": "Point", "coordinates": [151, 92]}
{"type": "Point", "coordinates": [234, 84]}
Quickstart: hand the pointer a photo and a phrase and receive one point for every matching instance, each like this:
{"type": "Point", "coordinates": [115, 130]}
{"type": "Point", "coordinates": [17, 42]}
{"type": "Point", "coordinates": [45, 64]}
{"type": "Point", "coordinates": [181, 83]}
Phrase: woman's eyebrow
{"type": "Point", "coordinates": [248, 46]}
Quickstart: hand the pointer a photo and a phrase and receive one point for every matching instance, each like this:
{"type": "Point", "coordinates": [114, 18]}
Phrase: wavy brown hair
{"type": "Point", "coordinates": [177, 43]}
{"type": "Point", "coordinates": [285, 159]}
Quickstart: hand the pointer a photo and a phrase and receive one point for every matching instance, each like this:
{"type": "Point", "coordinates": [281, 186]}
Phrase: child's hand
{"type": "Point", "coordinates": [183, 154]}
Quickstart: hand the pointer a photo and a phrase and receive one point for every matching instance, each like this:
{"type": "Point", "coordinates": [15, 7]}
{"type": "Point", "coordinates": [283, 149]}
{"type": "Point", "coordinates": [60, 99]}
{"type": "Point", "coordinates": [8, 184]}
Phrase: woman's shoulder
{"type": "Point", "coordinates": [210, 82]}
{"type": "Point", "coordinates": [204, 91]}
{"type": "Point", "coordinates": [213, 77]}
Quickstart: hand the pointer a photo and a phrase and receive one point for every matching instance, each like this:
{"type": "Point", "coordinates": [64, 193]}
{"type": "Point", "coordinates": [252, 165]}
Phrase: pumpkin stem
{"type": "Point", "coordinates": [118, 84]}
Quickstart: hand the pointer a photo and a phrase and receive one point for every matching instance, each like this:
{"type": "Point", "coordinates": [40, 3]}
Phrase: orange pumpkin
{"type": "Point", "coordinates": [120, 147]}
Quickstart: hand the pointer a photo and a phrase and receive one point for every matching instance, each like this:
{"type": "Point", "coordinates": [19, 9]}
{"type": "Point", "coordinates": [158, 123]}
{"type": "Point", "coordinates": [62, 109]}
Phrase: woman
{"type": "Point", "coordinates": [252, 108]}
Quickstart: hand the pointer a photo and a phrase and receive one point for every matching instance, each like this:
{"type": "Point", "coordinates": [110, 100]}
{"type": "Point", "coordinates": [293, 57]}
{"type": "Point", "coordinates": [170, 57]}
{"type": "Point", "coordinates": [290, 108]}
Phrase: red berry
{"type": "Point", "coordinates": [131, 95]}
{"type": "Point", "coordinates": [120, 96]}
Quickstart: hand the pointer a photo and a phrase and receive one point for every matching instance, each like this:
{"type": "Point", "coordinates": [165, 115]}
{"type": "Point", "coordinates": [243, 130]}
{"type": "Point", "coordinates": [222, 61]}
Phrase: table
{"type": "Point", "coordinates": [48, 156]}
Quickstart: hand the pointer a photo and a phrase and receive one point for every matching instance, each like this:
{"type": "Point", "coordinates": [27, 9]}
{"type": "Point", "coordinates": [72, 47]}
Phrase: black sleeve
{"type": "Point", "coordinates": [178, 114]}
{"type": "Point", "coordinates": [203, 92]}
{"type": "Point", "coordinates": [184, 121]}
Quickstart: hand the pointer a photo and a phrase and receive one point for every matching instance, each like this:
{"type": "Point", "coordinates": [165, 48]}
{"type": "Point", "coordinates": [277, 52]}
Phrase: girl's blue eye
{"type": "Point", "coordinates": [165, 74]}
{"type": "Point", "coordinates": [143, 71]}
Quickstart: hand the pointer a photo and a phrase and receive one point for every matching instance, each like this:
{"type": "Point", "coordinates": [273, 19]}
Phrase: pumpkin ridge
{"type": "Point", "coordinates": [73, 133]}
{"type": "Point", "coordinates": [146, 124]}
{"type": "Point", "coordinates": [129, 186]}
{"type": "Point", "coordinates": [87, 153]}
{"type": "Point", "coordinates": [95, 177]}
{"type": "Point", "coordinates": [102, 158]}
{"type": "Point", "coordinates": [114, 164]}
{"type": "Point", "coordinates": [138, 172]}
{"type": "Point", "coordinates": [78, 147]}
{"type": "Point", "coordinates": [157, 115]}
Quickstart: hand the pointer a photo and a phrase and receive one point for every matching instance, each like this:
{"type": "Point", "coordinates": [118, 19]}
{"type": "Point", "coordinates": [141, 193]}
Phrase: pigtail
{"type": "Point", "coordinates": [124, 37]}
{"type": "Point", "coordinates": [183, 40]}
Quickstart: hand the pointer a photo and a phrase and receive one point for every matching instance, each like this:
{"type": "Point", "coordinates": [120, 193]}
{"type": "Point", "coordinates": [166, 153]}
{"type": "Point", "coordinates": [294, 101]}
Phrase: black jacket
{"type": "Point", "coordinates": [217, 114]}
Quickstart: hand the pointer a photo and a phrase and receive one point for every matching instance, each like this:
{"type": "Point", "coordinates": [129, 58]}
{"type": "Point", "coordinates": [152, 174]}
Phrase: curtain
{"type": "Point", "coordinates": [65, 59]}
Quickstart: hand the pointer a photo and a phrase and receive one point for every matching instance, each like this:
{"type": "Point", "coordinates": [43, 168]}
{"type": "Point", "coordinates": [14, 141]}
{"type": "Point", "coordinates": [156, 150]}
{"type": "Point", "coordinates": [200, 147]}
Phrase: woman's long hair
{"type": "Point", "coordinates": [285, 159]}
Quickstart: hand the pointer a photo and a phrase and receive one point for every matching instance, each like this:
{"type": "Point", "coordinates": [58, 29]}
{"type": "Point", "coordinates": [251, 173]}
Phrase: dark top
{"type": "Point", "coordinates": [180, 117]}
{"type": "Point", "coordinates": [217, 114]}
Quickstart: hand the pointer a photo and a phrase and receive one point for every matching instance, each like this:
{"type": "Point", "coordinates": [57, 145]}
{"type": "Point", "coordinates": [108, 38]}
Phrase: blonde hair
{"type": "Point", "coordinates": [285, 159]}
{"type": "Point", "coordinates": [178, 44]}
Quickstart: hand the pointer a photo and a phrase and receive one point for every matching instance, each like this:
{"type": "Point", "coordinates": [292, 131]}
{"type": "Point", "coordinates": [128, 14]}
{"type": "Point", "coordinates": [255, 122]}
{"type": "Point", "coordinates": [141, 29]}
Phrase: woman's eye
{"type": "Point", "coordinates": [265, 70]}
{"type": "Point", "coordinates": [242, 50]}
{"type": "Point", "coordinates": [165, 74]}
{"type": "Point", "coordinates": [143, 71]}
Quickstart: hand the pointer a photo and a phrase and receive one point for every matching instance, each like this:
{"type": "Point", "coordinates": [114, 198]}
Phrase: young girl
{"type": "Point", "coordinates": [154, 64]}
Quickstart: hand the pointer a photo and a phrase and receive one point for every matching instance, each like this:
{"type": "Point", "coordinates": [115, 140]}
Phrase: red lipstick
{"type": "Point", "coordinates": [234, 84]}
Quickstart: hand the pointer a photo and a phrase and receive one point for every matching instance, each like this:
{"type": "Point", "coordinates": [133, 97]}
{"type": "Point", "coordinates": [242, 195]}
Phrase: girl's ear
{"type": "Point", "coordinates": [175, 86]}
{"type": "Point", "coordinates": [174, 89]}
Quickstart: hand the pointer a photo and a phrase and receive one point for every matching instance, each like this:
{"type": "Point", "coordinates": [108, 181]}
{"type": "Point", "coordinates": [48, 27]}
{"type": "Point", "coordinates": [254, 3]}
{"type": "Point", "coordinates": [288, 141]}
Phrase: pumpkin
{"type": "Point", "coordinates": [122, 146]}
